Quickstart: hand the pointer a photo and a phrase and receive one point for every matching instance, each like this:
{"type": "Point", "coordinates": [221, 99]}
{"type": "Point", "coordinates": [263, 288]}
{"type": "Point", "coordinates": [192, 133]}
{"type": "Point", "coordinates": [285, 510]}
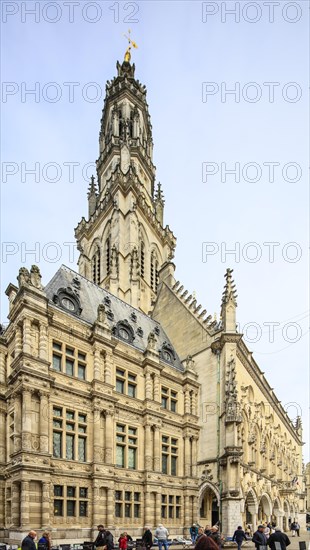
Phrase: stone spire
{"type": "Point", "coordinates": [159, 204]}
{"type": "Point", "coordinates": [92, 197]}
{"type": "Point", "coordinates": [229, 303]}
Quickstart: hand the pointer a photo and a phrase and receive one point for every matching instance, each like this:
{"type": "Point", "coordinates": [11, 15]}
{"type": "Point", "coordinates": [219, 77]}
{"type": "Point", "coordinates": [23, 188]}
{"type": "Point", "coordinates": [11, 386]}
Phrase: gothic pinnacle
{"type": "Point", "coordinates": [229, 303]}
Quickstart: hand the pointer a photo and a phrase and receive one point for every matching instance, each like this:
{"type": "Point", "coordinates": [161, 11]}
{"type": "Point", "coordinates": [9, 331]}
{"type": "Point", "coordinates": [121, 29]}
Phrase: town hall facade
{"type": "Point", "coordinates": [122, 401]}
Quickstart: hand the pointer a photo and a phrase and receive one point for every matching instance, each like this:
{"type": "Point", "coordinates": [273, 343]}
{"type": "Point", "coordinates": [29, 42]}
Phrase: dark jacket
{"type": "Point", "coordinates": [259, 539]}
{"type": "Point", "coordinates": [100, 539]}
{"type": "Point", "coordinates": [147, 538]}
{"type": "Point", "coordinates": [28, 543]}
{"type": "Point", "coordinates": [239, 535]}
{"type": "Point", "coordinates": [280, 537]}
{"type": "Point", "coordinates": [205, 543]}
{"type": "Point", "coordinates": [216, 537]}
{"type": "Point", "coordinates": [108, 540]}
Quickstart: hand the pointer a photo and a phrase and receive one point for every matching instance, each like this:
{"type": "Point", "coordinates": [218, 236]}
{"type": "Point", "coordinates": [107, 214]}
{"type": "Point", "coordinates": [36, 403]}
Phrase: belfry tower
{"type": "Point", "coordinates": [124, 245]}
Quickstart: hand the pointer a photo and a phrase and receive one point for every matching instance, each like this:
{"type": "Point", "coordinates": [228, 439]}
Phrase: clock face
{"type": "Point", "coordinates": [68, 304]}
{"type": "Point", "coordinates": [124, 333]}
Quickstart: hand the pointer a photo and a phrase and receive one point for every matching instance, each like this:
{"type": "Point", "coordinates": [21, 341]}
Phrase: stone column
{"type": "Point", "coordinates": [148, 386]}
{"type": "Point", "coordinates": [194, 455]}
{"type": "Point", "coordinates": [97, 512]}
{"type": "Point", "coordinates": [156, 463]}
{"type": "Point", "coordinates": [187, 512]}
{"type": "Point", "coordinates": [187, 456]}
{"type": "Point", "coordinates": [156, 388]}
{"type": "Point", "coordinates": [148, 454]}
{"type": "Point", "coordinates": [43, 342]}
{"type": "Point", "coordinates": [97, 365]}
{"type": "Point", "coordinates": [110, 507]}
{"type": "Point", "coordinates": [15, 513]}
{"type": "Point", "coordinates": [24, 505]}
{"type": "Point", "coordinates": [26, 420]}
{"type": "Point", "coordinates": [44, 422]}
{"type": "Point", "coordinates": [148, 509]}
{"type": "Point", "coordinates": [187, 402]}
{"type": "Point", "coordinates": [158, 508]}
{"type": "Point", "coordinates": [26, 336]}
{"type": "Point", "coordinates": [17, 422]}
{"type": "Point", "coordinates": [18, 340]}
{"type": "Point", "coordinates": [2, 436]}
{"type": "Point", "coordinates": [97, 440]}
{"type": "Point", "coordinates": [193, 404]}
{"type": "Point", "coordinates": [45, 504]}
{"type": "Point", "coordinates": [108, 368]}
{"type": "Point", "coordinates": [2, 367]}
{"type": "Point", "coordinates": [109, 436]}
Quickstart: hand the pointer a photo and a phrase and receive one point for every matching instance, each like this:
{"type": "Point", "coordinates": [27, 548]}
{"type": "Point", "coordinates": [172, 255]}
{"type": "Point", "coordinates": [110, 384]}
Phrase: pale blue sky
{"type": "Point", "coordinates": [177, 53]}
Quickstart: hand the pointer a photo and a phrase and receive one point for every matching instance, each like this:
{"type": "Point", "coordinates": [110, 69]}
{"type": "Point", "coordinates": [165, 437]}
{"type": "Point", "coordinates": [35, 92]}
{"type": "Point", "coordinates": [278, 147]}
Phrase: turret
{"type": "Point", "coordinates": [92, 197]}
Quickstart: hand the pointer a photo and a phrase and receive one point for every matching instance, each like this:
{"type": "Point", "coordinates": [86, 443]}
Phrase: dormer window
{"type": "Point", "coordinates": [124, 331]}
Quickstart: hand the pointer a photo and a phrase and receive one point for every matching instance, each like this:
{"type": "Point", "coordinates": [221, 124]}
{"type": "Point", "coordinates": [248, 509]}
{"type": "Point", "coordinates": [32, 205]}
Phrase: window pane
{"type": "Point", "coordinates": [131, 458]}
{"type": "Point", "coordinates": [170, 499]}
{"type": "Point", "coordinates": [57, 450]}
{"type": "Point", "coordinates": [70, 447]}
{"type": "Point", "coordinates": [136, 510]}
{"type": "Point", "coordinates": [163, 511]}
{"type": "Point", "coordinates": [83, 492]}
{"type": "Point", "coordinates": [82, 429]}
{"type": "Point", "coordinates": [69, 427]}
{"type": "Point", "coordinates": [70, 415]}
{"type": "Point", "coordinates": [69, 367]}
{"type": "Point", "coordinates": [58, 490]}
{"type": "Point", "coordinates": [173, 406]}
{"type": "Point", "coordinates": [82, 356]}
{"type": "Point", "coordinates": [119, 386]}
{"type": "Point", "coordinates": [131, 377]}
{"type": "Point", "coordinates": [56, 362]}
{"type": "Point", "coordinates": [83, 509]}
{"type": "Point", "coordinates": [178, 512]}
{"type": "Point", "coordinates": [164, 498]}
{"type": "Point", "coordinates": [57, 411]}
{"type": "Point", "coordinates": [164, 402]}
{"type": "Point", "coordinates": [127, 495]}
{"type": "Point", "coordinates": [120, 456]}
{"type": "Point", "coordinates": [69, 351]}
{"type": "Point", "coordinates": [132, 431]}
{"type": "Point", "coordinates": [118, 495]}
{"type": "Point", "coordinates": [120, 372]}
{"type": "Point", "coordinates": [164, 468]}
{"type": "Point", "coordinates": [127, 510]}
{"type": "Point", "coordinates": [81, 371]}
{"type": "Point", "coordinates": [82, 449]}
{"type": "Point", "coordinates": [58, 508]}
{"type": "Point", "coordinates": [70, 491]}
{"type": "Point", "coordinates": [170, 512]}
{"type": "Point", "coordinates": [118, 510]}
{"type": "Point", "coordinates": [131, 390]}
{"type": "Point", "coordinates": [57, 346]}
{"type": "Point", "coordinates": [137, 496]}
{"type": "Point", "coordinates": [70, 508]}
{"type": "Point", "coordinates": [82, 417]}
{"type": "Point", "coordinates": [174, 441]}
{"type": "Point", "coordinates": [57, 423]}
{"type": "Point", "coordinates": [120, 428]}
{"type": "Point", "coordinates": [173, 465]}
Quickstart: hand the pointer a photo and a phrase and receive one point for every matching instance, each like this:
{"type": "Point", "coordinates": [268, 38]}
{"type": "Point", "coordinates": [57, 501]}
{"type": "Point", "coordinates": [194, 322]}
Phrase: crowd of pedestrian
{"type": "Point", "coordinates": [208, 538]}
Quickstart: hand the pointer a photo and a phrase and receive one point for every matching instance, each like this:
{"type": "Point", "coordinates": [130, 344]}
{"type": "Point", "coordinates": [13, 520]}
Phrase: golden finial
{"type": "Point", "coordinates": [127, 56]}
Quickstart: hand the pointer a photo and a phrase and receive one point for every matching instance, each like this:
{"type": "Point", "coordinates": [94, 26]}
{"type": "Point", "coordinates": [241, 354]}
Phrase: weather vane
{"type": "Point", "coordinates": [127, 56]}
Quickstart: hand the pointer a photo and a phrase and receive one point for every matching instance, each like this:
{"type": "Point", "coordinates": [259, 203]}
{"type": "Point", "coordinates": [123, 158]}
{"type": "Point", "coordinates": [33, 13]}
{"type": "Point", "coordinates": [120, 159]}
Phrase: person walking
{"type": "Point", "coordinates": [208, 530]}
{"type": "Point", "coordinates": [193, 531]}
{"type": "Point", "coordinates": [216, 536]}
{"type": "Point", "coordinates": [162, 535]}
{"type": "Point", "coordinates": [122, 542]}
{"type": "Point", "coordinates": [297, 528]}
{"type": "Point", "coordinates": [239, 536]}
{"type": "Point", "coordinates": [280, 537]}
{"type": "Point", "coordinates": [293, 528]}
{"type": "Point", "coordinates": [28, 542]}
{"type": "Point", "coordinates": [259, 538]}
{"type": "Point", "coordinates": [99, 542]}
{"type": "Point", "coordinates": [147, 538]}
{"type": "Point", "coordinates": [46, 540]}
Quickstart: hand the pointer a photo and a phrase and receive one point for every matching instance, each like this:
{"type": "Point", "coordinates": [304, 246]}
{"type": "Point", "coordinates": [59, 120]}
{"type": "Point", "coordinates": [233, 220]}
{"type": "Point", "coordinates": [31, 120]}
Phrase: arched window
{"type": "Point", "coordinates": [96, 267]}
{"type": "Point", "coordinates": [142, 255]}
{"type": "Point", "coordinates": [107, 255]}
{"type": "Point", "coordinates": [154, 272]}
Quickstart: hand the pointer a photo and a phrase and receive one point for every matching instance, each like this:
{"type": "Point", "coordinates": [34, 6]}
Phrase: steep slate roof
{"type": "Point", "coordinates": [91, 296]}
